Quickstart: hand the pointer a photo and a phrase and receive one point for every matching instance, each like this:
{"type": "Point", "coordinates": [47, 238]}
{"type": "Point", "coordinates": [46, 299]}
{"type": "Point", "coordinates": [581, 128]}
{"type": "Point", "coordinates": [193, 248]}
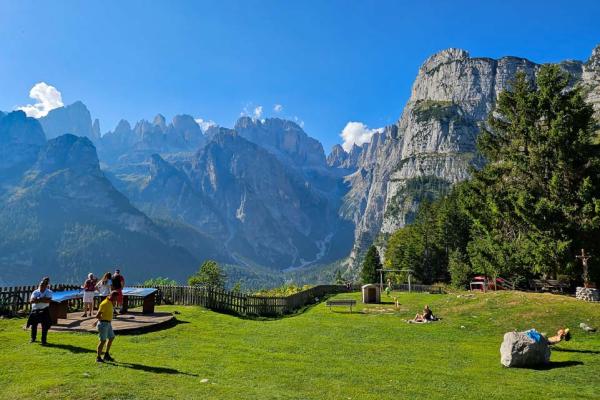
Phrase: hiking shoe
{"type": "Point", "coordinates": [31, 340]}
{"type": "Point", "coordinates": [99, 360]}
{"type": "Point", "coordinates": [44, 343]}
{"type": "Point", "coordinates": [107, 357]}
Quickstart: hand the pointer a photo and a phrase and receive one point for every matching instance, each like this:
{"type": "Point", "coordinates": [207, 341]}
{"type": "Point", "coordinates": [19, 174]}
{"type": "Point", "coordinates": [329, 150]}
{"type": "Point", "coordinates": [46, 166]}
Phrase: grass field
{"type": "Point", "coordinates": [318, 354]}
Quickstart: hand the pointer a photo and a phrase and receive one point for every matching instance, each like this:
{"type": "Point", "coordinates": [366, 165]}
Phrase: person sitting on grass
{"type": "Point", "coordinates": [104, 318]}
{"type": "Point", "coordinates": [427, 316]}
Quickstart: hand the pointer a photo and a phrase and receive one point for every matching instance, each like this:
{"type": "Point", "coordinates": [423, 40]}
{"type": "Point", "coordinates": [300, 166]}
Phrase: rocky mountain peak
{"type": "Point", "coordinates": [285, 139]}
{"type": "Point", "coordinates": [96, 128]}
{"type": "Point", "coordinates": [17, 127]}
{"type": "Point", "coordinates": [444, 57]}
{"type": "Point", "coordinates": [123, 127]}
{"type": "Point", "coordinates": [594, 60]}
{"type": "Point", "coordinates": [188, 129]}
{"type": "Point", "coordinates": [69, 152]}
{"type": "Point", "coordinates": [74, 118]}
{"type": "Point", "coordinates": [160, 122]}
{"type": "Point", "coordinates": [337, 156]}
{"type": "Point", "coordinates": [21, 138]}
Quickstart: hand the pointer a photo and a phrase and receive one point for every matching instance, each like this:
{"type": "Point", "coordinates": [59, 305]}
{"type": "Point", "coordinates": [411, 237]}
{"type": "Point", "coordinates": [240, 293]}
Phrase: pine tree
{"type": "Point", "coordinates": [538, 198]}
{"type": "Point", "coordinates": [370, 266]}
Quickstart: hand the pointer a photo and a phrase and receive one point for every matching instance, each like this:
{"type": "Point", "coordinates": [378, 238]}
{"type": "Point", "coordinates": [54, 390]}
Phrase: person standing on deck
{"type": "Point", "coordinates": [104, 285]}
{"type": "Point", "coordinates": [40, 310]}
{"type": "Point", "coordinates": [118, 283]}
{"type": "Point", "coordinates": [89, 291]}
{"type": "Point", "coordinates": [104, 318]}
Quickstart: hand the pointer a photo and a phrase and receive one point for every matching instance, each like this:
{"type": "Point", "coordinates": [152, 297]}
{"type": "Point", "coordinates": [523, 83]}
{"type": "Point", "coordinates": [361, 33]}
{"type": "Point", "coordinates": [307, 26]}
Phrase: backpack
{"type": "Point", "coordinates": [116, 283]}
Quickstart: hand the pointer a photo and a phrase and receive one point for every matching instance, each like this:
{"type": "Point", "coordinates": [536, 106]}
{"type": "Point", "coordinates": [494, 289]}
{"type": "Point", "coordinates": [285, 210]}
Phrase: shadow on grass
{"type": "Point", "coordinates": [576, 351]}
{"type": "Point", "coordinates": [558, 364]}
{"type": "Point", "coordinates": [71, 348]}
{"type": "Point", "coordinates": [154, 328]}
{"type": "Point", "coordinates": [149, 368]}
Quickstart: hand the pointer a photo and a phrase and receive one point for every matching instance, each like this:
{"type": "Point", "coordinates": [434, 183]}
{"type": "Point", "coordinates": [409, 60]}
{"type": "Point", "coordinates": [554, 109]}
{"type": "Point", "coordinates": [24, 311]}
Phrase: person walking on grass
{"type": "Point", "coordinates": [104, 318]}
{"type": "Point", "coordinates": [40, 310]}
{"type": "Point", "coordinates": [89, 291]}
{"type": "Point", "coordinates": [118, 283]}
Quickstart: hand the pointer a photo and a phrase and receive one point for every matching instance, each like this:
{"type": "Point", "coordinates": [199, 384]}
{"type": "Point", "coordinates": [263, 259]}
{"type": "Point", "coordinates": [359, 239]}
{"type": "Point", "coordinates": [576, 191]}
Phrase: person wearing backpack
{"type": "Point", "coordinates": [118, 283]}
{"type": "Point", "coordinates": [89, 291]}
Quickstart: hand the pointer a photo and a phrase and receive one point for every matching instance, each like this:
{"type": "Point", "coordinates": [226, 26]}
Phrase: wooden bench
{"type": "Point", "coordinates": [554, 284]}
{"type": "Point", "coordinates": [341, 302]}
{"type": "Point", "coordinates": [548, 284]}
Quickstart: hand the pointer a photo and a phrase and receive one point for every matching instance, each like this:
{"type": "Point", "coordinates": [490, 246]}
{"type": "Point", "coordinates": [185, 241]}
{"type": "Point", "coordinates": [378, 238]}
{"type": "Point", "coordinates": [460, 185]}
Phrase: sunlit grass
{"type": "Point", "coordinates": [319, 354]}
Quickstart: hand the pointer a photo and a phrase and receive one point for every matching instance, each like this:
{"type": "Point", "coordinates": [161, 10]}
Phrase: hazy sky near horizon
{"type": "Point", "coordinates": [324, 63]}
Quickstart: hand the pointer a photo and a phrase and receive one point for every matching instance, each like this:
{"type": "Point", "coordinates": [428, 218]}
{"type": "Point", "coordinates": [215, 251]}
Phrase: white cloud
{"type": "Point", "coordinates": [205, 124]}
{"type": "Point", "coordinates": [357, 133]}
{"type": "Point", "coordinates": [278, 108]}
{"type": "Point", "coordinates": [258, 112]}
{"type": "Point", "coordinates": [48, 98]}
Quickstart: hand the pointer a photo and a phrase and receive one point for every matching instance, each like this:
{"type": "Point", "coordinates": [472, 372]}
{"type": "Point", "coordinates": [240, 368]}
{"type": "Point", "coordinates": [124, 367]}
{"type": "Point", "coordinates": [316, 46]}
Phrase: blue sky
{"type": "Point", "coordinates": [325, 62]}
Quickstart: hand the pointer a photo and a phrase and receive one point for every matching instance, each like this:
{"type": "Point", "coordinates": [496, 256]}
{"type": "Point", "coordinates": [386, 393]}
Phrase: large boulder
{"type": "Point", "coordinates": [520, 350]}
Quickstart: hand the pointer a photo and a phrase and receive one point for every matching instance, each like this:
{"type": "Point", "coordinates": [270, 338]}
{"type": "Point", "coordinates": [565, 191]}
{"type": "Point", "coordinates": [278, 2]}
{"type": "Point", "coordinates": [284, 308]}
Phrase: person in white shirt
{"type": "Point", "coordinates": [40, 310]}
{"type": "Point", "coordinates": [103, 286]}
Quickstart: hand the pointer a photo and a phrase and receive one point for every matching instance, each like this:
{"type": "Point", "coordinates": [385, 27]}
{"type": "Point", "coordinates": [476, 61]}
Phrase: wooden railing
{"type": "Point", "coordinates": [14, 300]}
{"type": "Point", "coordinates": [243, 304]}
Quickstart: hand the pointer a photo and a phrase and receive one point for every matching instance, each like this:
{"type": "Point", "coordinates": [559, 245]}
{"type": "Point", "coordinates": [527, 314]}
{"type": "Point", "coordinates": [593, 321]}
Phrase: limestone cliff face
{"type": "Point", "coordinates": [74, 119]}
{"type": "Point", "coordinates": [432, 146]}
{"type": "Point", "coordinates": [590, 79]}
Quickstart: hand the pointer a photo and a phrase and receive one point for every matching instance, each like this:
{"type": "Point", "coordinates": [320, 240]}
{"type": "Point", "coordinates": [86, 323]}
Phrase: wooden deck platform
{"type": "Point", "coordinates": [132, 321]}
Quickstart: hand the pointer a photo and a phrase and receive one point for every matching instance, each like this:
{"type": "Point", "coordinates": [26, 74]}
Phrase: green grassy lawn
{"type": "Point", "coordinates": [319, 354]}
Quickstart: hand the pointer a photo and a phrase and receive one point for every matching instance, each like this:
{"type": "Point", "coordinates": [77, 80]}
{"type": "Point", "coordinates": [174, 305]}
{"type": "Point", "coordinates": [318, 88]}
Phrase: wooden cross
{"type": "Point", "coordinates": [584, 259]}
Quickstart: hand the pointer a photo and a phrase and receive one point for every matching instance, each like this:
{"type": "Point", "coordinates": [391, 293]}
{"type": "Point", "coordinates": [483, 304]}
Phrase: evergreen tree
{"type": "Point", "coordinates": [371, 264]}
{"type": "Point", "coordinates": [538, 198]}
{"type": "Point", "coordinates": [209, 274]}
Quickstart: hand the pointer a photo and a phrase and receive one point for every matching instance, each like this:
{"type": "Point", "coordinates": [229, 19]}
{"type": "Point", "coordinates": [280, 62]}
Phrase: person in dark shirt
{"type": "Point", "coordinates": [118, 283]}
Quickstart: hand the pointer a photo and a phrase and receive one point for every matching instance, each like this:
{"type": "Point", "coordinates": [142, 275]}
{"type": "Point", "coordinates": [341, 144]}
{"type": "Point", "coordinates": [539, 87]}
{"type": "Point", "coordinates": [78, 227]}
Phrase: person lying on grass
{"type": "Point", "coordinates": [104, 318]}
{"type": "Point", "coordinates": [562, 334]}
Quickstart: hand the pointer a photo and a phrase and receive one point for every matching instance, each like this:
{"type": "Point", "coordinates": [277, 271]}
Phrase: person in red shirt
{"type": "Point", "coordinates": [89, 291]}
{"type": "Point", "coordinates": [118, 283]}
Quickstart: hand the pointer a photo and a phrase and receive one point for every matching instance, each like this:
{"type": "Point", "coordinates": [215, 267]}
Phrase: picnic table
{"type": "Point", "coordinates": [60, 300]}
